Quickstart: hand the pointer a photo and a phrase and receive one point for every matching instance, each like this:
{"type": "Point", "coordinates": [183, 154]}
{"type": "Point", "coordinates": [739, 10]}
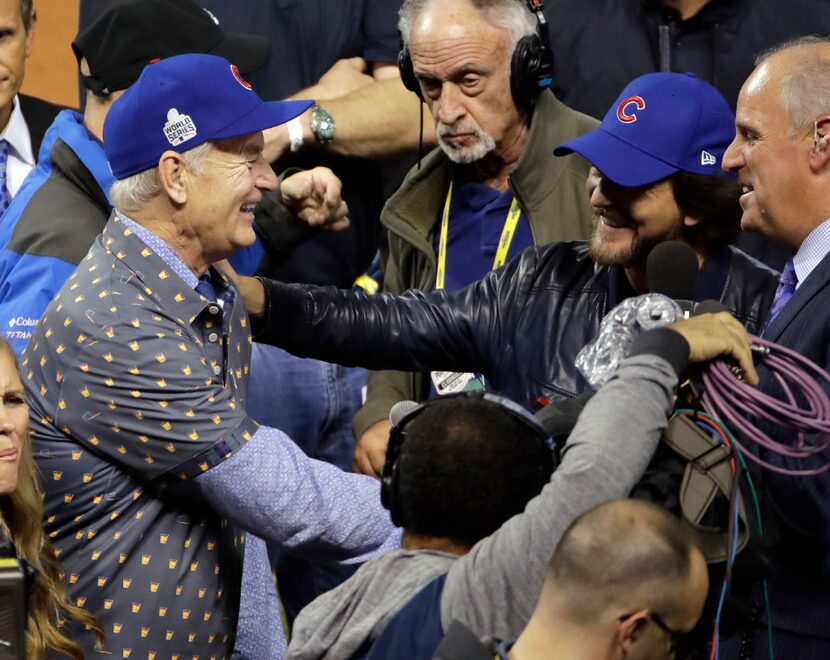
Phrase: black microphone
{"type": "Point", "coordinates": [671, 269]}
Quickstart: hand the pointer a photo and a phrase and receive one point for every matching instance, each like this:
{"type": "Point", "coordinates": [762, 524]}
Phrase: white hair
{"type": "Point", "coordinates": [512, 16]}
{"type": "Point", "coordinates": [805, 89]}
{"type": "Point", "coordinates": [134, 192]}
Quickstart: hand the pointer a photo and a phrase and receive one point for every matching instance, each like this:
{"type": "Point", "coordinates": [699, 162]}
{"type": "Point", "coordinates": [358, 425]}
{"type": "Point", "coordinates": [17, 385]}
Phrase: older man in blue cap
{"type": "Point", "coordinates": [137, 376]}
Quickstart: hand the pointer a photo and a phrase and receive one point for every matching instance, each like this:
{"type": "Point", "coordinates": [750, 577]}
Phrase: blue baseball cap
{"type": "Point", "coordinates": [660, 124]}
{"type": "Point", "coordinates": [181, 102]}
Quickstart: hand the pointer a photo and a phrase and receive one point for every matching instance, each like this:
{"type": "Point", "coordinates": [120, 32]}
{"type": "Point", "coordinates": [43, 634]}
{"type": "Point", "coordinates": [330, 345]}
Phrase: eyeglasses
{"type": "Point", "coordinates": [674, 635]}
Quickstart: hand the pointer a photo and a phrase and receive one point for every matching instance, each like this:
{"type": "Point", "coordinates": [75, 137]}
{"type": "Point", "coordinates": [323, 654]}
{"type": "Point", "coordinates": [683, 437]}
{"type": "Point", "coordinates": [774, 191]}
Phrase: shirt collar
{"type": "Point", "coordinates": [17, 135]}
{"type": "Point", "coordinates": [164, 275]}
{"type": "Point", "coordinates": [162, 249]}
{"type": "Point", "coordinates": [814, 248]}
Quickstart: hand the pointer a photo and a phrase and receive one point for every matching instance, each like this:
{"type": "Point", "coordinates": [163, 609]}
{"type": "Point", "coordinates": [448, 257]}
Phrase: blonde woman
{"type": "Point", "coordinates": [20, 521]}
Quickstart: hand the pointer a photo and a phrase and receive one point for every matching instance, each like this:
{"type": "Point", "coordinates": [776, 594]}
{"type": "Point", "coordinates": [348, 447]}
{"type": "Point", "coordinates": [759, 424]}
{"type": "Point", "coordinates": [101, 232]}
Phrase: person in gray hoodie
{"type": "Point", "coordinates": [493, 588]}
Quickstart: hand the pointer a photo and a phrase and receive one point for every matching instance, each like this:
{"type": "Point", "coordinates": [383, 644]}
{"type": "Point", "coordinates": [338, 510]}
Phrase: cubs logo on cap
{"type": "Point", "coordinates": [662, 123]}
{"type": "Point", "coordinates": [625, 113]}
{"type": "Point", "coordinates": [239, 78]}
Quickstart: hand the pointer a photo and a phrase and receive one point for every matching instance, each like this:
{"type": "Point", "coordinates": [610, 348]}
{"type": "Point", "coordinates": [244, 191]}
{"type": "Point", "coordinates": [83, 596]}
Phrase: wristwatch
{"type": "Point", "coordinates": [322, 125]}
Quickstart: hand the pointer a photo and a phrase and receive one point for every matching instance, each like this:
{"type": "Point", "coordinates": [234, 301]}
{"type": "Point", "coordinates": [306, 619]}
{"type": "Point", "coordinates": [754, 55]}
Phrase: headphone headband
{"type": "Point", "coordinates": [531, 64]}
{"type": "Point", "coordinates": [390, 477]}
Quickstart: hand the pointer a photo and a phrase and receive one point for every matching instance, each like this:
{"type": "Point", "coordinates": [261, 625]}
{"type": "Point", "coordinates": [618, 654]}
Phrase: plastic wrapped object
{"type": "Point", "coordinates": [598, 360]}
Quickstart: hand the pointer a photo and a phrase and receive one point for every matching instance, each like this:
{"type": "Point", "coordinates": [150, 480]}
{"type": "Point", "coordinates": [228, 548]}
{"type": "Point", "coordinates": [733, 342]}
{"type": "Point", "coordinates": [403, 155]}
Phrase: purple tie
{"type": "Point", "coordinates": [5, 197]}
{"type": "Point", "coordinates": [785, 291]}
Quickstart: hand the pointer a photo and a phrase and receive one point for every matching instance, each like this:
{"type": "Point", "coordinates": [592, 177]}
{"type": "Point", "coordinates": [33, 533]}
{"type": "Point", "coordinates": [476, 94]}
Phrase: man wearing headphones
{"type": "Point", "coordinates": [492, 189]}
{"type": "Point", "coordinates": [457, 473]}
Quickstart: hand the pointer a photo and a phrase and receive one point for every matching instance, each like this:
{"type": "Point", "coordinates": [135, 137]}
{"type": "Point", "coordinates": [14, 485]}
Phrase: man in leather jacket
{"type": "Point", "coordinates": [656, 176]}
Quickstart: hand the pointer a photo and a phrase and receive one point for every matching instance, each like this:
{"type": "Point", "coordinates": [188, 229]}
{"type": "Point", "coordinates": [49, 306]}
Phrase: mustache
{"type": "Point", "coordinates": [614, 218]}
{"type": "Point", "coordinates": [457, 128]}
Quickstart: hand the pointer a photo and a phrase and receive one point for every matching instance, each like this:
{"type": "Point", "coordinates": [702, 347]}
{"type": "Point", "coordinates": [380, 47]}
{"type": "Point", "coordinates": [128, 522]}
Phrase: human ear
{"type": "Point", "coordinates": [630, 631]}
{"type": "Point", "coordinates": [173, 176]}
{"type": "Point", "coordinates": [30, 34]}
{"type": "Point", "coordinates": [691, 220]}
{"type": "Point", "coordinates": [820, 153]}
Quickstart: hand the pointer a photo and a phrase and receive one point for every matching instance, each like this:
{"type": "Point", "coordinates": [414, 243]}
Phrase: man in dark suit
{"type": "Point", "coordinates": [23, 119]}
{"type": "Point", "coordinates": [781, 154]}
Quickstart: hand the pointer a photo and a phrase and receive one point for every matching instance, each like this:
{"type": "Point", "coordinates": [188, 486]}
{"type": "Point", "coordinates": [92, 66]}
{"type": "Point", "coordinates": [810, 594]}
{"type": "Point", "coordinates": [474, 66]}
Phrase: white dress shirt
{"type": "Point", "coordinates": [21, 157]}
{"type": "Point", "coordinates": [810, 253]}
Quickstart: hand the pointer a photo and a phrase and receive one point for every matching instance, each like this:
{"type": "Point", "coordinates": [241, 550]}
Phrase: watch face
{"type": "Point", "coordinates": [322, 125]}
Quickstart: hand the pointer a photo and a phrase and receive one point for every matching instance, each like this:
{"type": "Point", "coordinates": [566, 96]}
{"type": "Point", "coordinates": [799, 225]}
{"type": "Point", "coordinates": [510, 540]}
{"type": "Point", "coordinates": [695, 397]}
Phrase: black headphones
{"type": "Point", "coordinates": [390, 478]}
{"type": "Point", "coordinates": [531, 65]}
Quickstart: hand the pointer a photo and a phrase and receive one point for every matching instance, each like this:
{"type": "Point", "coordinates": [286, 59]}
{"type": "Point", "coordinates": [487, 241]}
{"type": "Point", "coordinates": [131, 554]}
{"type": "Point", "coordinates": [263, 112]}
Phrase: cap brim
{"type": "Point", "coordinates": [263, 116]}
{"type": "Point", "coordinates": [621, 162]}
{"type": "Point", "coordinates": [248, 52]}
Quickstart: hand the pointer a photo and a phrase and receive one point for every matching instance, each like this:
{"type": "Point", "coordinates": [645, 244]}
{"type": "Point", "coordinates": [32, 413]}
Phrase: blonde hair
{"type": "Point", "coordinates": [21, 512]}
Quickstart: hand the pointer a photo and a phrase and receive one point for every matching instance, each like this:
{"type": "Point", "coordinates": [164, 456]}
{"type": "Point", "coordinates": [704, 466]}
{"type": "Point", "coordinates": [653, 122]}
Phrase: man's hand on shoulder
{"type": "Point", "coordinates": [314, 196]}
{"type": "Point", "coordinates": [711, 335]}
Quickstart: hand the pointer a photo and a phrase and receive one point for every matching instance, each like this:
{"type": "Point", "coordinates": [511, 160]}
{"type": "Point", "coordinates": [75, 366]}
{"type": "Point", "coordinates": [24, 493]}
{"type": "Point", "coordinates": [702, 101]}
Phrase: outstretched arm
{"type": "Point", "coordinates": [272, 489]}
{"type": "Point", "coordinates": [456, 331]}
{"type": "Point", "coordinates": [374, 114]}
{"type": "Point", "coordinates": [605, 456]}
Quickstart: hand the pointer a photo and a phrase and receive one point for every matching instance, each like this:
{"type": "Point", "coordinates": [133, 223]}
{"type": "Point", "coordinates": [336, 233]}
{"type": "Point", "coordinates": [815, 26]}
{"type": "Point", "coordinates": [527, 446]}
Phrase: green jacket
{"type": "Point", "coordinates": [550, 190]}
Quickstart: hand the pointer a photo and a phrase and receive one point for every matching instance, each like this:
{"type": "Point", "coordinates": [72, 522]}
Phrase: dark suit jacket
{"type": "Point", "coordinates": [39, 115]}
{"type": "Point", "coordinates": [800, 506]}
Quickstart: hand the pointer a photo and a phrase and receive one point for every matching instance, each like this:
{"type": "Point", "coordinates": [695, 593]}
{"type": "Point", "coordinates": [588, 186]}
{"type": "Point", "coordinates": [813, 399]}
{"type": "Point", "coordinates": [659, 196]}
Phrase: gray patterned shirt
{"type": "Point", "coordinates": [137, 385]}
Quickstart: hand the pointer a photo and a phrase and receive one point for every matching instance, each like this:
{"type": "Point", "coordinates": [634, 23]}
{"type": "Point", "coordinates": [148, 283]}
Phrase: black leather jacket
{"type": "Point", "coordinates": [521, 326]}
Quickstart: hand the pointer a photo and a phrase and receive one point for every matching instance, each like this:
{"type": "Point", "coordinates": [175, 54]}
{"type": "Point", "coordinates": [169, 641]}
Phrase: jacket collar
{"type": "Point", "coordinates": [552, 124]}
{"type": "Point", "coordinates": [69, 128]}
{"type": "Point", "coordinates": [711, 280]}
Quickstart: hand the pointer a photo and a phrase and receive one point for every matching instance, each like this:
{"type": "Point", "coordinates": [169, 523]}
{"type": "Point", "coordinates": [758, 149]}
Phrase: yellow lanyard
{"type": "Point", "coordinates": [505, 240]}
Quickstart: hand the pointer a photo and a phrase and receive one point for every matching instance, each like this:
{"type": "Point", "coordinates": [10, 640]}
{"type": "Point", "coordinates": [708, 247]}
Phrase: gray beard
{"type": "Point", "coordinates": [465, 155]}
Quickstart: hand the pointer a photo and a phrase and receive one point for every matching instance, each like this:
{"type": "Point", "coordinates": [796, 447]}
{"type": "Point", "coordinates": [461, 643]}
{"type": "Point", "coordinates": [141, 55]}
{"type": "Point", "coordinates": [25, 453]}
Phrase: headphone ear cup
{"type": "Point", "coordinates": [408, 73]}
{"type": "Point", "coordinates": [530, 68]}
{"type": "Point", "coordinates": [389, 495]}
{"type": "Point", "coordinates": [389, 477]}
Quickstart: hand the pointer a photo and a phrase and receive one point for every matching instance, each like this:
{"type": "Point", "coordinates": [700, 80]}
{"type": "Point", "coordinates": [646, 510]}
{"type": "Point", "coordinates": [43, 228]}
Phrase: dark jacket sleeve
{"type": "Point", "coordinates": [458, 330]}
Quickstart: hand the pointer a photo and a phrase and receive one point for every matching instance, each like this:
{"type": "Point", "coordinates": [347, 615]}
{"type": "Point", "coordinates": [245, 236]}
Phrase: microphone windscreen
{"type": "Point", "coordinates": [671, 269]}
{"type": "Point", "coordinates": [400, 410]}
{"type": "Point", "coordinates": [709, 307]}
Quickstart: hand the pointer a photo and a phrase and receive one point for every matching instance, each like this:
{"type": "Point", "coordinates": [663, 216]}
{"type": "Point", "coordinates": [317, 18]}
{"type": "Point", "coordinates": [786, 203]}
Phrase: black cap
{"type": "Point", "coordinates": [124, 36]}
